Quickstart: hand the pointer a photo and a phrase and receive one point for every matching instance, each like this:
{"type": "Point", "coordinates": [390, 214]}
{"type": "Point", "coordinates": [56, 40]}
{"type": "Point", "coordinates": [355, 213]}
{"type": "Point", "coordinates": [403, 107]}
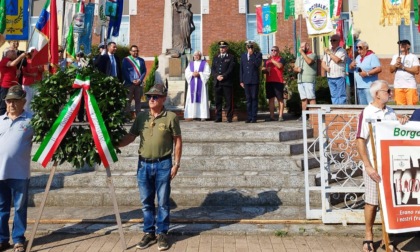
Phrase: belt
{"type": "Point", "coordinates": [154, 160]}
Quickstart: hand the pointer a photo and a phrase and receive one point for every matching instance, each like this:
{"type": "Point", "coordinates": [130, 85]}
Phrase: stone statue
{"type": "Point", "coordinates": [182, 27]}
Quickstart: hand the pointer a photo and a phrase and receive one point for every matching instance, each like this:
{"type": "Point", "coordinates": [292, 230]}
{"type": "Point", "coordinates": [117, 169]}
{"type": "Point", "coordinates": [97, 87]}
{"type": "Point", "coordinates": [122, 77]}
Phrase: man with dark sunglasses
{"type": "Point", "coordinates": [367, 67]}
{"type": "Point", "coordinates": [334, 65]}
{"type": "Point", "coordinates": [160, 136]}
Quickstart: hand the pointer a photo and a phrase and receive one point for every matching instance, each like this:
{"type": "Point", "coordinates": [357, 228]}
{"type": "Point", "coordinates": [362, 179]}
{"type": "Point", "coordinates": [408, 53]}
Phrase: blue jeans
{"type": "Point", "coordinates": [155, 179]}
{"type": "Point", "coordinates": [363, 96]}
{"type": "Point", "coordinates": [338, 90]}
{"type": "Point", "coordinates": [18, 190]}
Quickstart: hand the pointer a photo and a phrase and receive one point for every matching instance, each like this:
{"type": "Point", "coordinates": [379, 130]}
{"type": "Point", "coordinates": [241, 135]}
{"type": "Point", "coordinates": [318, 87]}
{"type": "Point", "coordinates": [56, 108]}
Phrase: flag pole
{"type": "Point", "coordinates": [62, 21]}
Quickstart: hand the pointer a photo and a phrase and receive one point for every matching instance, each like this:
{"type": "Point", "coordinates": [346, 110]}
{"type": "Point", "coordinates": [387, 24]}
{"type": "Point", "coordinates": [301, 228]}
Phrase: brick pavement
{"type": "Point", "coordinates": [59, 242]}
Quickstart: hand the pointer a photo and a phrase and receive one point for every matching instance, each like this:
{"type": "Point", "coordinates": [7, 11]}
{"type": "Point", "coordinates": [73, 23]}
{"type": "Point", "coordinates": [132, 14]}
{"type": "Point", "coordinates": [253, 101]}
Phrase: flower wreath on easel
{"type": "Point", "coordinates": [78, 147]}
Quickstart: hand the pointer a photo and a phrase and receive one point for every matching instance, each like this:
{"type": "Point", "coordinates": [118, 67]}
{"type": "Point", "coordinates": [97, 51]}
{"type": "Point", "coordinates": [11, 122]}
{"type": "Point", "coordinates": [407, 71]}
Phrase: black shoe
{"type": "Point", "coordinates": [218, 120]}
{"type": "Point", "coordinates": [270, 119]}
{"type": "Point", "coordinates": [248, 121]}
{"type": "Point", "coordinates": [162, 242]}
{"type": "Point", "coordinates": [229, 120]}
{"type": "Point", "coordinates": [4, 246]}
{"type": "Point", "coordinates": [147, 240]}
{"type": "Point", "coordinates": [254, 121]}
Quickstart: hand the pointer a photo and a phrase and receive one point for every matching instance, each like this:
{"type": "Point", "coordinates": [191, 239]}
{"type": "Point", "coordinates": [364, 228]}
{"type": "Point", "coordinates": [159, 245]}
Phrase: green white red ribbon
{"type": "Point", "coordinates": [66, 117]}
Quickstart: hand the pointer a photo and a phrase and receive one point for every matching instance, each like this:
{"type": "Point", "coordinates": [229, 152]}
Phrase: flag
{"type": "Point", "coordinates": [349, 39]}
{"type": "Point", "coordinates": [289, 9]}
{"type": "Point", "coordinates": [70, 43]}
{"type": "Point", "coordinates": [416, 13]}
{"type": "Point", "coordinates": [2, 21]}
{"type": "Point", "coordinates": [115, 22]}
{"type": "Point", "coordinates": [318, 21]}
{"type": "Point", "coordinates": [394, 11]}
{"type": "Point", "coordinates": [258, 12]}
{"type": "Point", "coordinates": [47, 50]}
{"type": "Point", "coordinates": [266, 18]}
{"type": "Point", "coordinates": [85, 39]}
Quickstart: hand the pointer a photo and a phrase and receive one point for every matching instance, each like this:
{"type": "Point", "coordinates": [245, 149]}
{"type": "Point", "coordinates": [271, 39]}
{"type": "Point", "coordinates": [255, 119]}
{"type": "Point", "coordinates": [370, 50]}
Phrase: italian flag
{"type": "Point", "coordinates": [70, 42]}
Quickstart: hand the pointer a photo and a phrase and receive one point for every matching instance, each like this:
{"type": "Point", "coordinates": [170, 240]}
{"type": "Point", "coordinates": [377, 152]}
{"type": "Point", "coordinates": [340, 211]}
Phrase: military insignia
{"type": "Point", "coordinates": [162, 126]}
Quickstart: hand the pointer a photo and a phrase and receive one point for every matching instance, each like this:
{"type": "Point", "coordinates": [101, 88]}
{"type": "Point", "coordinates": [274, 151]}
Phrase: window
{"type": "Point", "coordinates": [196, 43]}
{"type": "Point", "coordinates": [411, 33]}
{"type": "Point", "coordinates": [196, 35]}
{"type": "Point", "coordinates": [264, 41]}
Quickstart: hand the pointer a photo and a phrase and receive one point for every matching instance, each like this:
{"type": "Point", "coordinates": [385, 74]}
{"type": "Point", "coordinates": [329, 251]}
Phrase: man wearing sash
{"type": "Point", "coordinates": [197, 73]}
{"type": "Point", "coordinates": [134, 72]}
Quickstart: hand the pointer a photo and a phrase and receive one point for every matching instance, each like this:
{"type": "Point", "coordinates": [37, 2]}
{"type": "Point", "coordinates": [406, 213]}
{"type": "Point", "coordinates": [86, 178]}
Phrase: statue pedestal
{"type": "Point", "coordinates": [176, 94]}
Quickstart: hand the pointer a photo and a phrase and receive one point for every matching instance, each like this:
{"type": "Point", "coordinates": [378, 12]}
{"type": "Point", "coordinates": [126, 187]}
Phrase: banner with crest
{"type": "Point", "coordinates": [318, 20]}
{"type": "Point", "coordinates": [17, 19]}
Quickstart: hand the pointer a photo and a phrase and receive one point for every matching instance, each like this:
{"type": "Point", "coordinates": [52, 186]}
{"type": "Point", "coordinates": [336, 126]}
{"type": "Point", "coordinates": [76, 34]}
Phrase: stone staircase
{"type": "Point", "coordinates": [236, 166]}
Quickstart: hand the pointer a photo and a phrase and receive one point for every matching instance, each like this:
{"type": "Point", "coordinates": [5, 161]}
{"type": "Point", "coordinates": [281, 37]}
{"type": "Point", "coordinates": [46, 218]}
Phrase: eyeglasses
{"type": "Point", "coordinates": [360, 47]}
{"type": "Point", "coordinates": [154, 97]}
{"type": "Point", "coordinates": [333, 40]}
{"type": "Point", "coordinates": [274, 50]}
{"type": "Point", "coordinates": [389, 91]}
{"type": "Point", "coordinates": [135, 51]}
{"type": "Point", "coordinates": [10, 101]}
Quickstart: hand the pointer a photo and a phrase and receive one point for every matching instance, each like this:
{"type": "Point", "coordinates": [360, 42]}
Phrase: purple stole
{"type": "Point", "coordinates": [199, 82]}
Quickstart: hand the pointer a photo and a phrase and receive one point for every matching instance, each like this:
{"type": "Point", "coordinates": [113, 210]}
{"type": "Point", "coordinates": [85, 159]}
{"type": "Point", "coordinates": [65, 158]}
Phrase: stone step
{"type": "Point", "coordinates": [210, 163]}
{"type": "Point", "coordinates": [231, 149]}
{"type": "Point", "coordinates": [235, 179]}
{"type": "Point", "coordinates": [84, 197]}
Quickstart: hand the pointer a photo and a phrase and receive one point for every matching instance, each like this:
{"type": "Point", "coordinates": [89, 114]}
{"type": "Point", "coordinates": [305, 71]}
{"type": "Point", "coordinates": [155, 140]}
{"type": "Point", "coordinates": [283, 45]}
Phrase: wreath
{"type": "Point", "coordinates": [77, 147]}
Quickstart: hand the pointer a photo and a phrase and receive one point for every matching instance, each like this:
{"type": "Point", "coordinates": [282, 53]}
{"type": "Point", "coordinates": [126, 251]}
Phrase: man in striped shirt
{"type": "Point", "coordinates": [334, 65]}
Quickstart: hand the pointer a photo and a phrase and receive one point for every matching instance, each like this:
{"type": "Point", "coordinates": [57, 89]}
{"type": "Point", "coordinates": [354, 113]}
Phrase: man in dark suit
{"type": "Point", "coordinates": [222, 70]}
{"type": "Point", "coordinates": [250, 78]}
{"type": "Point", "coordinates": [109, 63]}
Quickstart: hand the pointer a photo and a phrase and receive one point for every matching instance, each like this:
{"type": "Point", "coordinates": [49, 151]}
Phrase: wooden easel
{"type": "Point", "coordinates": [385, 236]}
{"type": "Point", "coordinates": [44, 199]}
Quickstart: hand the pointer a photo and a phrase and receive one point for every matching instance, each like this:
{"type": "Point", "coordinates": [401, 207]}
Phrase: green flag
{"type": "Point", "coordinates": [289, 9]}
{"type": "Point", "coordinates": [349, 39]}
{"type": "Point", "coordinates": [70, 43]}
{"type": "Point", "coordinates": [416, 11]}
{"type": "Point", "coordinates": [2, 21]}
{"type": "Point", "coordinates": [273, 17]}
{"type": "Point", "coordinates": [332, 8]}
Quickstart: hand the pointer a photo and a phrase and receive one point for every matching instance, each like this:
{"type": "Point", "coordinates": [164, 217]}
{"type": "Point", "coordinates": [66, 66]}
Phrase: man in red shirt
{"type": "Point", "coordinates": [274, 85]}
{"type": "Point", "coordinates": [9, 75]}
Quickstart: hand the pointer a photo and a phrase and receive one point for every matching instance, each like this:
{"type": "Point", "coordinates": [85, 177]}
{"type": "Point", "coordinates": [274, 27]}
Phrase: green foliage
{"type": "Point", "coordinates": [77, 147]}
{"type": "Point", "coordinates": [236, 48]}
{"type": "Point", "coordinates": [288, 74]}
{"type": "Point", "coordinates": [281, 233]}
{"type": "Point", "coordinates": [150, 81]}
{"type": "Point", "coordinates": [322, 93]}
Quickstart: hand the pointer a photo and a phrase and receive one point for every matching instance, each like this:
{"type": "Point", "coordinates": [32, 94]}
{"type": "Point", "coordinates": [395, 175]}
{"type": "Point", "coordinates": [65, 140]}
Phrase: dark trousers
{"type": "Point", "coordinates": [251, 94]}
{"type": "Point", "coordinates": [3, 94]}
{"type": "Point", "coordinates": [219, 92]}
{"type": "Point", "coordinates": [81, 113]}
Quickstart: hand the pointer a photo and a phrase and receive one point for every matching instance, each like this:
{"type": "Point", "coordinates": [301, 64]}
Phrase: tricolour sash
{"type": "Point", "coordinates": [135, 65]}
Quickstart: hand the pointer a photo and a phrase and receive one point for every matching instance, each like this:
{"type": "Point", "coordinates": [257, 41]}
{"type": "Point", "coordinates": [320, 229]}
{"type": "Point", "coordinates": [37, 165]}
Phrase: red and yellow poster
{"type": "Point", "coordinates": [398, 156]}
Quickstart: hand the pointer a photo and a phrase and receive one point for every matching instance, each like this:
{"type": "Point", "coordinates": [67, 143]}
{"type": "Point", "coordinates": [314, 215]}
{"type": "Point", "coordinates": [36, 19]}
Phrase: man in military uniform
{"type": "Point", "coordinates": [222, 71]}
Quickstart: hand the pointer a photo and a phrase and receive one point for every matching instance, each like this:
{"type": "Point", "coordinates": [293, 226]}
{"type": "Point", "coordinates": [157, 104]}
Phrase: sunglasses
{"type": "Point", "coordinates": [154, 97]}
{"type": "Point", "coordinates": [360, 47]}
{"type": "Point", "coordinates": [135, 51]}
{"type": "Point", "coordinates": [388, 91]}
{"type": "Point", "coordinates": [274, 50]}
{"type": "Point", "coordinates": [333, 40]}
